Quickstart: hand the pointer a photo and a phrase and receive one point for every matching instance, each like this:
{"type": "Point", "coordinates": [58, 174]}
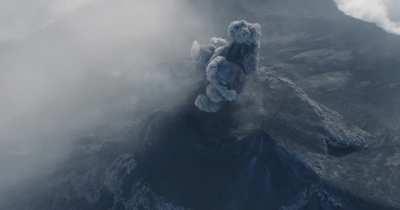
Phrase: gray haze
{"type": "Point", "coordinates": [66, 66]}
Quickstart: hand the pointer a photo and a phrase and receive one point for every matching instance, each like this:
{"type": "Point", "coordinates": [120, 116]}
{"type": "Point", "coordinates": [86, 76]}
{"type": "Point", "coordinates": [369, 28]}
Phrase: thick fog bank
{"type": "Point", "coordinates": [68, 67]}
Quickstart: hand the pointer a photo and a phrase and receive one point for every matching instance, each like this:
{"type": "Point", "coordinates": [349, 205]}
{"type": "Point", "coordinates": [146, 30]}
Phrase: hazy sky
{"type": "Point", "coordinates": [18, 18]}
{"type": "Point", "coordinates": [384, 13]}
{"type": "Point", "coordinates": [67, 65]}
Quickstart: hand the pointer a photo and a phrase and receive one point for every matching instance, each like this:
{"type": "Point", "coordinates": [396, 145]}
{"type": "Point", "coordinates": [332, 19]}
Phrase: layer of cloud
{"type": "Point", "coordinates": [19, 18]}
{"type": "Point", "coordinates": [67, 66]}
{"type": "Point", "coordinates": [384, 13]}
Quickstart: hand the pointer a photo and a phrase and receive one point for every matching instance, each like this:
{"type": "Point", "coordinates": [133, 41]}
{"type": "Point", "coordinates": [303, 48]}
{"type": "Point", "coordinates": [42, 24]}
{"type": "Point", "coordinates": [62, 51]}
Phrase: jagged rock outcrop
{"type": "Point", "coordinates": [286, 112]}
{"type": "Point", "coordinates": [129, 191]}
{"type": "Point", "coordinates": [253, 171]}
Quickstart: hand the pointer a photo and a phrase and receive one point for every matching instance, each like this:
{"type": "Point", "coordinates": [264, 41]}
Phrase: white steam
{"type": "Point", "coordinates": [384, 13]}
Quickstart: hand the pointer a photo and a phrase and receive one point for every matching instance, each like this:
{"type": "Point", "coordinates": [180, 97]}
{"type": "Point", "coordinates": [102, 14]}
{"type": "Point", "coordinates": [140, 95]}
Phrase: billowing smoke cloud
{"type": "Point", "coordinates": [384, 13]}
{"type": "Point", "coordinates": [68, 65]}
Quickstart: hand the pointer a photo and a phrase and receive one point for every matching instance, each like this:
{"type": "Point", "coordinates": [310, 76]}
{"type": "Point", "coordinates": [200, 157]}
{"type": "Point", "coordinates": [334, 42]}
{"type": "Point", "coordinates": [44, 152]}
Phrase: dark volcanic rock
{"type": "Point", "coordinates": [203, 167]}
{"type": "Point", "coordinates": [286, 112]}
{"type": "Point", "coordinates": [226, 173]}
{"type": "Point", "coordinates": [296, 140]}
{"type": "Point", "coordinates": [193, 160]}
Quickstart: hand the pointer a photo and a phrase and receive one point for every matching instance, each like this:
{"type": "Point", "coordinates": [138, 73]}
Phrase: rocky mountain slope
{"type": "Point", "coordinates": [315, 129]}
